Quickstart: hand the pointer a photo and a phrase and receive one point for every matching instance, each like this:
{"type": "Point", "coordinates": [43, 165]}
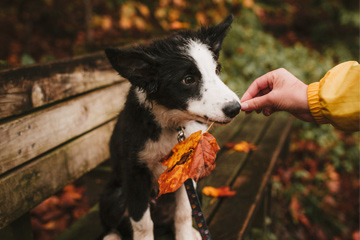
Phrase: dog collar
{"type": "Point", "coordinates": [180, 133]}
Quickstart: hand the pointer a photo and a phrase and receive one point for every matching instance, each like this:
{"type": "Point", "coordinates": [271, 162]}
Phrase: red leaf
{"type": "Point", "coordinates": [192, 158]}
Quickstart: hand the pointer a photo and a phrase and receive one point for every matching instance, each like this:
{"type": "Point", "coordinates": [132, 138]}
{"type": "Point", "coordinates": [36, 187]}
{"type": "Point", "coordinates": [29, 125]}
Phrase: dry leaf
{"type": "Point", "coordinates": [192, 158]}
{"type": "Point", "coordinates": [179, 25]}
{"type": "Point", "coordinates": [355, 235]}
{"type": "Point", "coordinates": [223, 191]}
{"type": "Point", "coordinates": [242, 146]}
{"type": "Point", "coordinates": [297, 212]}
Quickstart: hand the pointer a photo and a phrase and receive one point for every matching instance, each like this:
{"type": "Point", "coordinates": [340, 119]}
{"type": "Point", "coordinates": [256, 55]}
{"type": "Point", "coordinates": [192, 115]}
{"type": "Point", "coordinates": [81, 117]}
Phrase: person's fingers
{"type": "Point", "coordinates": [261, 83]}
{"type": "Point", "coordinates": [256, 104]}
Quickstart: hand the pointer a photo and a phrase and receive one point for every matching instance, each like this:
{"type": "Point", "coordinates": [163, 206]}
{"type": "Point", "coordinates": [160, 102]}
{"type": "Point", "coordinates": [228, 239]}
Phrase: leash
{"type": "Point", "coordinates": [197, 212]}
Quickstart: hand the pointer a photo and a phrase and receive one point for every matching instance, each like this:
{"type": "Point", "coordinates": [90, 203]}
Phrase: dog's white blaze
{"type": "Point", "coordinates": [214, 93]}
{"type": "Point", "coordinates": [154, 151]}
{"type": "Point", "coordinates": [143, 229]}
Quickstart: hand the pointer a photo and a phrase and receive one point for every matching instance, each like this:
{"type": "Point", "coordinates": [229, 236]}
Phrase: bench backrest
{"type": "Point", "coordinates": [55, 124]}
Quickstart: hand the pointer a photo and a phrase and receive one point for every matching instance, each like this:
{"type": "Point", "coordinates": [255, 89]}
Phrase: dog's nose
{"type": "Point", "coordinates": [232, 109]}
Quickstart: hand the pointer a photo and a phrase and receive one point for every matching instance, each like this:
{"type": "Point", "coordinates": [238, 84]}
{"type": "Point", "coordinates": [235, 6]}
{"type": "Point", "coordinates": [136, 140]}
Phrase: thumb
{"type": "Point", "coordinates": [255, 104]}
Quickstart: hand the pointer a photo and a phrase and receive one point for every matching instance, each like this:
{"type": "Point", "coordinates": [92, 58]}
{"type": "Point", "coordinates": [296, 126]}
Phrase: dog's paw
{"type": "Point", "coordinates": [112, 236]}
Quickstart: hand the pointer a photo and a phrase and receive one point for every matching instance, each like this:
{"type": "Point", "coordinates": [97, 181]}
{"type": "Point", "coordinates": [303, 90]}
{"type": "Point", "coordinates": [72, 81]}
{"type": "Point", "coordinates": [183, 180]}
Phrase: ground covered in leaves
{"type": "Point", "coordinates": [316, 188]}
{"type": "Point", "coordinates": [58, 212]}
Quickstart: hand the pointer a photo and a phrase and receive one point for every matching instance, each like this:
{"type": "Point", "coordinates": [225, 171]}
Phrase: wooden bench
{"type": "Point", "coordinates": [49, 116]}
{"type": "Point", "coordinates": [55, 124]}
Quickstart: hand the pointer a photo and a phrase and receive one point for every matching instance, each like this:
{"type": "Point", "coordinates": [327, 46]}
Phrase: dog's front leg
{"type": "Point", "coordinates": [143, 229]}
{"type": "Point", "coordinates": [139, 188]}
{"type": "Point", "coordinates": [183, 217]}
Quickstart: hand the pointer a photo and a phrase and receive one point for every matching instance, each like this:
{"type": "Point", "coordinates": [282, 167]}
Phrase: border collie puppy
{"type": "Point", "coordinates": [175, 84]}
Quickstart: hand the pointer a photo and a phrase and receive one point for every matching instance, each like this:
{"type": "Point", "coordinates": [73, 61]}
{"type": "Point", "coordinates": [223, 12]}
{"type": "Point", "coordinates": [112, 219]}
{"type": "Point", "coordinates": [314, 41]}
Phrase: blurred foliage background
{"type": "Point", "coordinates": [316, 188]}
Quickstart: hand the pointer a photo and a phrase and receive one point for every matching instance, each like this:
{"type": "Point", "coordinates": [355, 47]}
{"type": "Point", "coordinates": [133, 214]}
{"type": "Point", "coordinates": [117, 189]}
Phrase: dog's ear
{"type": "Point", "coordinates": [216, 34]}
{"type": "Point", "coordinates": [136, 66]}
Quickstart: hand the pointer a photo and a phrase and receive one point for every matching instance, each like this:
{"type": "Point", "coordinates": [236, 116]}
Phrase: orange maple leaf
{"type": "Point", "coordinates": [242, 146]}
{"type": "Point", "coordinates": [223, 191]}
{"type": "Point", "coordinates": [192, 158]}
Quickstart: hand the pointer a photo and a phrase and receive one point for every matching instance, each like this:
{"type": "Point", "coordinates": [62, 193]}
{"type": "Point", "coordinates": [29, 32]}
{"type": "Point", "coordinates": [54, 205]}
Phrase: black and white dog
{"type": "Point", "coordinates": [175, 83]}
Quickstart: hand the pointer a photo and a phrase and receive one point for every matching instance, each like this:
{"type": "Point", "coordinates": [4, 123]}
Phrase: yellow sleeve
{"type": "Point", "coordinates": [336, 98]}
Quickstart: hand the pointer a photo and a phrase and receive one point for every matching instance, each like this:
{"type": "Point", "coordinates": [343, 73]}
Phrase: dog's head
{"type": "Point", "coordinates": [181, 73]}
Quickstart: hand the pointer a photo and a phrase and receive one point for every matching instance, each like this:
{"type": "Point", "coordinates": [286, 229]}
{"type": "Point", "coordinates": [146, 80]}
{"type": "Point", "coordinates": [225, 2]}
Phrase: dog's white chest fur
{"type": "Point", "coordinates": [154, 151]}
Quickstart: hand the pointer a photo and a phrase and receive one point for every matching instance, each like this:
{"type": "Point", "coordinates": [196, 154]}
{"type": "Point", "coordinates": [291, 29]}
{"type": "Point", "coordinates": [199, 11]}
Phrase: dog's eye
{"type": "Point", "coordinates": [188, 80]}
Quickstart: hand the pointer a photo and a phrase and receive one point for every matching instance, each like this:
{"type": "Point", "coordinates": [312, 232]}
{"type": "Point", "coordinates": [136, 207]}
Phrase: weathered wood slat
{"type": "Point", "coordinates": [25, 88]}
{"type": "Point", "coordinates": [27, 186]}
{"type": "Point", "coordinates": [34, 134]}
{"type": "Point", "coordinates": [234, 215]}
{"type": "Point", "coordinates": [224, 133]}
{"type": "Point", "coordinates": [229, 162]}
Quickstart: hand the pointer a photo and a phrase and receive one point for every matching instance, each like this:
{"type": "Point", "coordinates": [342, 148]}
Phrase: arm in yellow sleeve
{"type": "Point", "coordinates": [336, 98]}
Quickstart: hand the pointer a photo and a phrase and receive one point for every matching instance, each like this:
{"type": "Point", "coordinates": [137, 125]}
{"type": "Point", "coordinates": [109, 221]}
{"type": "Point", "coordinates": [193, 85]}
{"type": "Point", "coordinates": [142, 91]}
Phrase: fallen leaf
{"type": "Point", "coordinates": [192, 158]}
{"type": "Point", "coordinates": [50, 225]}
{"type": "Point", "coordinates": [242, 146]}
{"type": "Point", "coordinates": [223, 191]}
{"type": "Point", "coordinates": [297, 212]}
{"type": "Point", "coordinates": [179, 25]}
{"type": "Point", "coordinates": [47, 205]}
{"type": "Point", "coordinates": [69, 199]}
{"type": "Point", "coordinates": [356, 235]}
{"type": "Point", "coordinates": [248, 3]}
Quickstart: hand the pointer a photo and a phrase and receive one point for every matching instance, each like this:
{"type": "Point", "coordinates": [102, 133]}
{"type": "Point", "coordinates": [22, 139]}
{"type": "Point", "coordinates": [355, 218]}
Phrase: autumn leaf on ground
{"type": "Point", "coordinates": [223, 191]}
{"type": "Point", "coordinates": [242, 146]}
{"type": "Point", "coordinates": [297, 212]}
{"type": "Point", "coordinates": [192, 158]}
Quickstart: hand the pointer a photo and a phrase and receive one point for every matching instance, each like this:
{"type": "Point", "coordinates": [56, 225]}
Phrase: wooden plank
{"type": "Point", "coordinates": [285, 130]}
{"type": "Point", "coordinates": [229, 163]}
{"type": "Point", "coordinates": [234, 215]}
{"type": "Point", "coordinates": [34, 134]}
{"type": "Point", "coordinates": [24, 188]}
{"type": "Point", "coordinates": [224, 133]}
{"type": "Point", "coordinates": [25, 88]}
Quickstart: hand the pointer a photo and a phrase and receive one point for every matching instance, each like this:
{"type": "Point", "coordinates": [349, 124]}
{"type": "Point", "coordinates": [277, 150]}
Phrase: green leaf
{"type": "Point", "coordinates": [26, 59]}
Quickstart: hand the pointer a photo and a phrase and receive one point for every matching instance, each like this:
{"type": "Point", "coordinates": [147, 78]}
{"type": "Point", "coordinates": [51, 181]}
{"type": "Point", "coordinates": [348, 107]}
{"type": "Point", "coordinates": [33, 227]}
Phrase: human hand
{"type": "Point", "coordinates": [277, 90]}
